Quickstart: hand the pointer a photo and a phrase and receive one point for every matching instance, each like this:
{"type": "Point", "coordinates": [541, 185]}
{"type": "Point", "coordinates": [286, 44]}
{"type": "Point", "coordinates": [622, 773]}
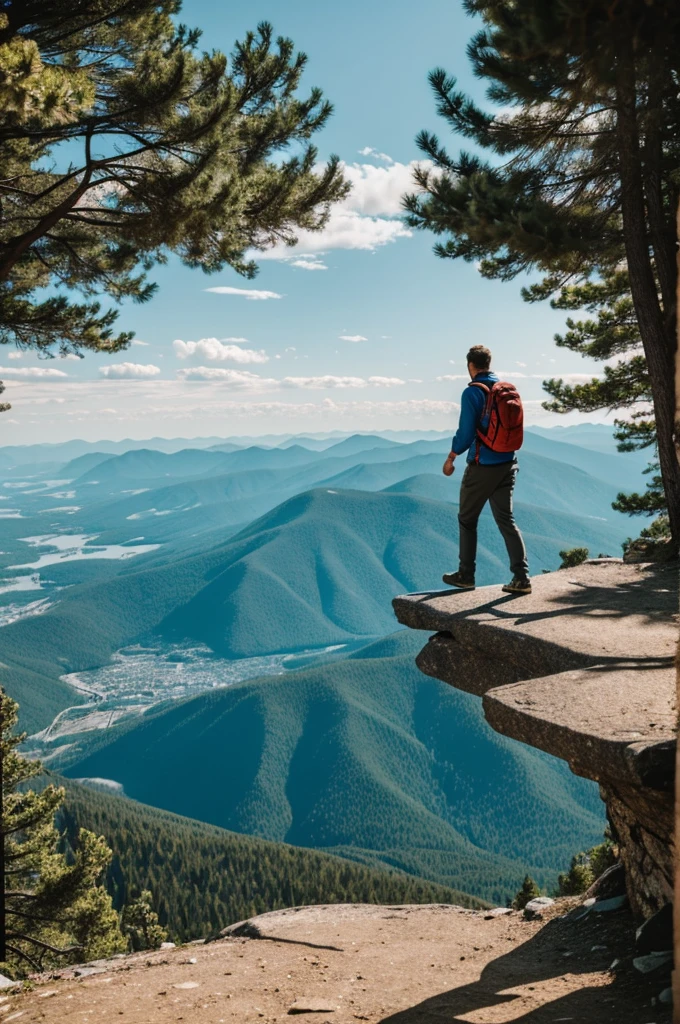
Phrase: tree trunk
{"type": "Point", "coordinates": [676, 853]}
{"type": "Point", "coordinates": [660, 214]}
{"type": "Point", "coordinates": [657, 334]}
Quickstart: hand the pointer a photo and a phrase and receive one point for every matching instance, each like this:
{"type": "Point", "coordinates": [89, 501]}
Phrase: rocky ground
{"type": "Point", "coordinates": [384, 965]}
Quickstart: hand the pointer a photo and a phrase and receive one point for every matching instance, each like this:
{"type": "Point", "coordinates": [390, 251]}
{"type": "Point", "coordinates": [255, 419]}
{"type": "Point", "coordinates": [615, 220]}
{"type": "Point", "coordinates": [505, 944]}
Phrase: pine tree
{"type": "Point", "coordinates": [140, 923]}
{"type": "Point", "coordinates": [121, 143]}
{"type": "Point", "coordinates": [577, 879]}
{"type": "Point", "coordinates": [528, 892]}
{"type": "Point", "coordinates": [583, 184]}
{"type": "Point", "coordinates": [611, 332]}
{"type": "Point", "coordinates": [55, 908]}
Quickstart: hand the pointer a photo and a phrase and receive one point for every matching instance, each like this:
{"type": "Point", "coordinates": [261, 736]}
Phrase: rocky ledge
{"type": "Point", "coordinates": [583, 669]}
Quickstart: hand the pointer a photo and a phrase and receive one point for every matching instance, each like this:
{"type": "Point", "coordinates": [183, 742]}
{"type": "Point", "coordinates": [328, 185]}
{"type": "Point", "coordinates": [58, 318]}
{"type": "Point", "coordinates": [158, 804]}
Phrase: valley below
{"type": "Point", "coordinates": [208, 630]}
{"type": "Point", "coordinates": [139, 678]}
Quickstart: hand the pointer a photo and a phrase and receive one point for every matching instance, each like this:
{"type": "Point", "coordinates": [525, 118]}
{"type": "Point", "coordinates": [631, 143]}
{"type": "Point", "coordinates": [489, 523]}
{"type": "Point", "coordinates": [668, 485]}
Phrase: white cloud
{"type": "Point", "coordinates": [244, 380]}
{"type": "Point", "coordinates": [377, 191]}
{"type": "Point", "coordinates": [326, 381]}
{"type": "Point", "coordinates": [575, 378]}
{"type": "Point", "coordinates": [31, 372]}
{"type": "Point", "coordinates": [369, 151]}
{"type": "Point", "coordinates": [252, 294]}
{"type": "Point", "coordinates": [331, 381]}
{"type": "Point", "coordinates": [570, 378]}
{"type": "Point", "coordinates": [352, 337]}
{"type": "Point", "coordinates": [348, 229]}
{"type": "Point", "coordinates": [238, 379]}
{"type": "Point", "coordinates": [523, 365]}
{"type": "Point", "coordinates": [309, 264]}
{"type": "Point", "coordinates": [129, 371]}
{"type": "Point", "coordinates": [370, 216]}
{"type": "Point", "coordinates": [413, 408]}
{"type": "Point", "coordinates": [212, 350]}
{"type": "Point", "coordinates": [137, 341]}
{"type": "Point", "coordinates": [451, 376]}
{"type": "Point", "coordinates": [14, 355]}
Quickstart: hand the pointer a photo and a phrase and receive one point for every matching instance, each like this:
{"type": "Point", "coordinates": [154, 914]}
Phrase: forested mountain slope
{"type": "Point", "coordinates": [203, 878]}
{"type": "Point", "coordinates": [363, 755]}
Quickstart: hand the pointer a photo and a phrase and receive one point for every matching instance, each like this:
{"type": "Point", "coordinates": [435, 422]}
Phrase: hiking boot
{"type": "Point", "coordinates": [518, 585]}
{"type": "Point", "coordinates": [457, 579]}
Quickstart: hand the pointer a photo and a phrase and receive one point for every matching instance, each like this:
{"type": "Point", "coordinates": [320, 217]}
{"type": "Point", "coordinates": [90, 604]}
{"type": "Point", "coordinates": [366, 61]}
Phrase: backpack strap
{"type": "Point", "coordinates": [485, 412]}
{"type": "Point", "coordinates": [487, 391]}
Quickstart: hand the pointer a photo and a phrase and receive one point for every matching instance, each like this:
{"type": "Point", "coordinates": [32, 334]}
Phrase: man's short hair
{"type": "Point", "coordinates": [480, 357]}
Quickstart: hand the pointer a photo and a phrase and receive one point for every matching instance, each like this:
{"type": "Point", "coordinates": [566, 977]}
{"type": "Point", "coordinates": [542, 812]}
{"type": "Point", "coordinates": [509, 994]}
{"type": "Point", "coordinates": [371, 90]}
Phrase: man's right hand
{"type": "Point", "coordinates": [448, 467]}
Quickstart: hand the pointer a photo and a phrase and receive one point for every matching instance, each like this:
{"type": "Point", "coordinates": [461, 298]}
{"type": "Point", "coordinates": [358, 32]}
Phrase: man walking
{"type": "Point", "coordinates": [490, 424]}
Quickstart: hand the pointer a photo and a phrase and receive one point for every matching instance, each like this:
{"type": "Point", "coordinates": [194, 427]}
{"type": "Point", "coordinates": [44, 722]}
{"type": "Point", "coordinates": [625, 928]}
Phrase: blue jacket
{"type": "Point", "coordinates": [472, 405]}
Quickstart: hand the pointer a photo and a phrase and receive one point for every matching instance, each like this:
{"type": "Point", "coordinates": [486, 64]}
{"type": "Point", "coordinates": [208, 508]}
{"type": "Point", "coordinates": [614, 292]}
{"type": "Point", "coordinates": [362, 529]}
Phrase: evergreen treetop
{"type": "Point", "coordinates": [121, 142]}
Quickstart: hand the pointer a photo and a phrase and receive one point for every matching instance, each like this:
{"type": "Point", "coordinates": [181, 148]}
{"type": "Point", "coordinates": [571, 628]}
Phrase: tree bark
{"type": "Point", "coordinates": [661, 215]}
{"type": "Point", "coordinates": [676, 852]}
{"type": "Point", "coordinates": [657, 334]}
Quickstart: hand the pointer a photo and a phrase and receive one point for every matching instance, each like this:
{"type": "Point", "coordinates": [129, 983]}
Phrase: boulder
{"type": "Point", "coordinates": [611, 882]}
{"type": "Point", "coordinates": [535, 908]}
{"type": "Point", "coordinates": [654, 962]}
{"type": "Point", "coordinates": [607, 906]}
{"type": "Point", "coordinates": [656, 933]}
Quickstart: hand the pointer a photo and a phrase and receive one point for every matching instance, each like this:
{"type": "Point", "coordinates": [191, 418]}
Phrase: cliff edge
{"type": "Point", "coordinates": [583, 669]}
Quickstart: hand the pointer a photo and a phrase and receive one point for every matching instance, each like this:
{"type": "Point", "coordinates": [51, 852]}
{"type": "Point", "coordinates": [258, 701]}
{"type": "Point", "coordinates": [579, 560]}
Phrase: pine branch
{"type": "Point", "coordinates": [44, 945]}
{"type": "Point", "coordinates": [35, 964]}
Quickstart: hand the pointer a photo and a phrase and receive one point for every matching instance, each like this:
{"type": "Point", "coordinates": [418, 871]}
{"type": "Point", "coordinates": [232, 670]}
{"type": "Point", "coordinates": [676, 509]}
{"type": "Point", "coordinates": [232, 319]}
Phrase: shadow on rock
{"type": "Point", "coordinates": [542, 970]}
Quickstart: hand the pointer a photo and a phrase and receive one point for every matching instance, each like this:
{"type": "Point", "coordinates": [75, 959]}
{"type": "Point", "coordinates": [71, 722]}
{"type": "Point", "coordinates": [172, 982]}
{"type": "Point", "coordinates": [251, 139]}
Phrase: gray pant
{"type": "Point", "coordinates": [494, 484]}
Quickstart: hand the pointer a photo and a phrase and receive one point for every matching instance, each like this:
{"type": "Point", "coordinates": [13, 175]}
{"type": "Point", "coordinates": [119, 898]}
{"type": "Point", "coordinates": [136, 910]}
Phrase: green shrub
{"type": "Point", "coordinates": [572, 557]}
{"type": "Point", "coordinates": [578, 878]}
{"type": "Point", "coordinates": [603, 856]}
{"type": "Point", "coordinates": [140, 924]}
{"type": "Point", "coordinates": [659, 529]}
{"type": "Point", "coordinates": [585, 868]}
{"type": "Point", "coordinates": [529, 891]}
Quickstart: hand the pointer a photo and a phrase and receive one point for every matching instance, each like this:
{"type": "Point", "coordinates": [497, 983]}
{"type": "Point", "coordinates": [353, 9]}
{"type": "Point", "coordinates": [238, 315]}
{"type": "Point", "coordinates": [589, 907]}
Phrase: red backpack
{"type": "Point", "coordinates": [503, 409]}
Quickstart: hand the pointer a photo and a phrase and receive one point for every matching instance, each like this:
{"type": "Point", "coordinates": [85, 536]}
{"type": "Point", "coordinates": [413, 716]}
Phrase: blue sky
{"type": "Point", "coordinates": [359, 328]}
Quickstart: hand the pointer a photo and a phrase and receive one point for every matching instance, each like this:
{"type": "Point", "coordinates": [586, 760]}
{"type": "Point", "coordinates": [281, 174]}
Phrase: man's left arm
{"type": "Point", "coordinates": [467, 428]}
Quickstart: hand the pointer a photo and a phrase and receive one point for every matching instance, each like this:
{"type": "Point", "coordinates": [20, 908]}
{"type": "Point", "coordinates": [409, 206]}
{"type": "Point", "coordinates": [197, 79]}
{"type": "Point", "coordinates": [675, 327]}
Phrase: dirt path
{"type": "Point", "coordinates": [384, 965]}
